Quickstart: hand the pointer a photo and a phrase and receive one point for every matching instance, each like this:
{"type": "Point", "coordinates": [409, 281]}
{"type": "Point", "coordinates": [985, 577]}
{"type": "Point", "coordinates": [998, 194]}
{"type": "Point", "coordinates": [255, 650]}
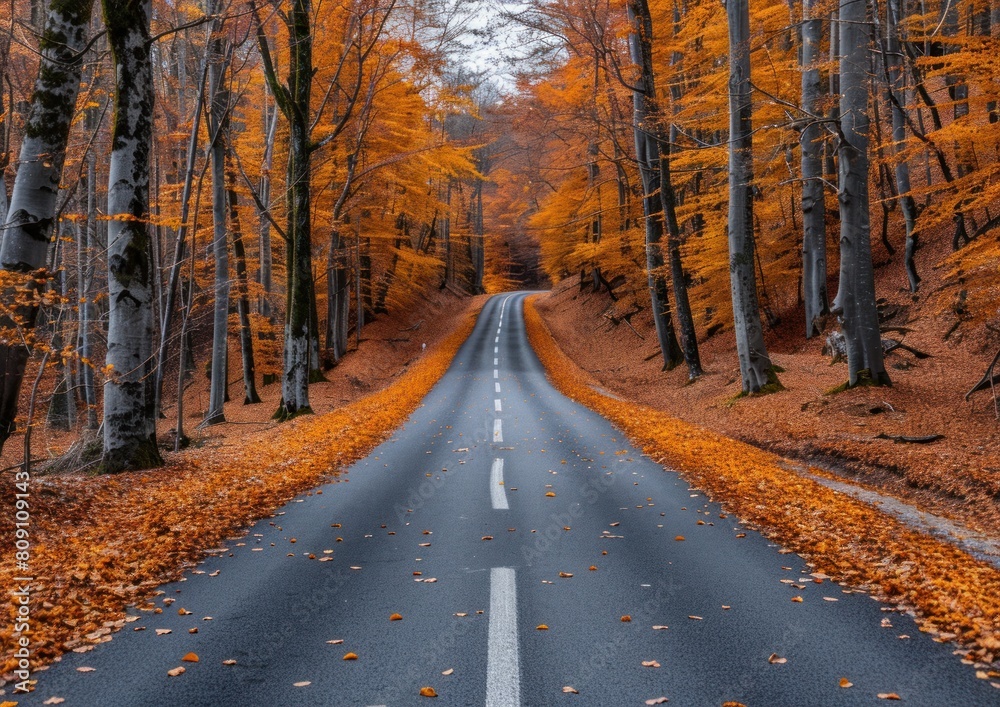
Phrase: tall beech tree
{"type": "Point", "coordinates": [855, 302]}
{"type": "Point", "coordinates": [32, 208]}
{"type": "Point", "coordinates": [129, 398]}
{"type": "Point", "coordinates": [647, 130]}
{"type": "Point", "coordinates": [814, 293]}
{"type": "Point", "coordinates": [756, 370]}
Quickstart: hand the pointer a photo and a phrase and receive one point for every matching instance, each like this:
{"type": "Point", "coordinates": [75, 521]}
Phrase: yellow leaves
{"type": "Point", "coordinates": [428, 692]}
{"type": "Point", "coordinates": [541, 627]}
{"type": "Point", "coordinates": [797, 599]}
{"type": "Point", "coordinates": [550, 494]}
{"type": "Point", "coordinates": [350, 656]}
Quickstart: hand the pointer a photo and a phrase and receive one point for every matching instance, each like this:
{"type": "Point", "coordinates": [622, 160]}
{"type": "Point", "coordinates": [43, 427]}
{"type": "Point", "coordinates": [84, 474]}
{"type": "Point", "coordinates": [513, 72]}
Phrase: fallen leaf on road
{"type": "Point", "coordinates": [175, 672]}
{"type": "Point", "coordinates": [695, 618]}
{"type": "Point", "coordinates": [428, 692]}
{"type": "Point", "coordinates": [190, 658]}
{"type": "Point", "coordinates": [830, 599]}
{"type": "Point", "coordinates": [679, 538]}
{"type": "Point", "coordinates": [430, 580]}
{"type": "Point", "coordinates": [192, 630]}
{"type": "Point", "coordinates": [565, 574]}
{"type": "Point", "coordinates": [52, 701]}
{"type": "Point", "coordinates": [660, 628]}
{"type": "Point", "coordinates": [461, 614]}
{"type": "Point", "coordinates": [163, 631]}
{"type": "Point", "coordinates": [302, 683]}
{"type": "Point", "coordinates": [396, 617]}
{"type": "Point", "coordinates": [657, 701]}
{"type": "Point", "coordinates": [229, 661]}
{"type": "Point", "coordinates": [85, 669]}
{"type": "Point", "coordinates": [541, 627]}
{"type": "Point", "coordinates": [626, 618]}
{"type": "Point", "coordinates": [650, 664]}
{"type": "Point", "coordinates": [487, 537]}
{"type": "Point", "coordinates": [551, 494]}
{"type": "Point", "coordinates": [726, 607]}
{"type": "Point", "coordinates": [336, 641]}
{"type": "Point", "coordinates": [350, 656]}
{"type": "Point", "coordinates": [424, 544]}
{"type": "Point", "coordinates": [355, 567]}
{"type": "Point", "coordinates": [449, 671]}
{"type": "Point", "coordinates": [775, 658]}
{"type": "Point", "coordinates": [889, 696]}
{"type": "Point", "coordinates": [844, 682]}
{"type": "Point", "coordinates": [797, 599]}
{"type": "Point", "coordinates": [571, 690]}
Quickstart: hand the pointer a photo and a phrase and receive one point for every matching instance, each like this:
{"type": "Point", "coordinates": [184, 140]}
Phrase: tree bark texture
{"type": "Point", "coordinates": [814, 292]}
{"type": "Point", "coordinates": [31, 210]}
{"type": "Point", "coordinates": [755, 365]}
{"type": "Point", "coordinates": [129, 406]}
{"type": "Point", "coordinates": [645, 131]}
{"type": "Point", "coordinates": [856, 295]}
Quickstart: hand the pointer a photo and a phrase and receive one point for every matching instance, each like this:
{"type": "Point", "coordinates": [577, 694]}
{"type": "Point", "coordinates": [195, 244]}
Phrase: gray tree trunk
{"type": "Point", "coordinates": [218, 118]}
{"type": "Point", "coordinates": [242, 286]}
{"type": "Point", "coordinates": [813, 192]}
{"type": "Point", "coordinates": [755, 365]}
{"type": "Point", "coordinates": [856, 297]}
{"type": "Point", "coordinates": [645, 130]}
{"type": "Point", "coordinates": [88, 235]}
{"type": "Point", "coordinates": [264, 275]}
{"type": "Point", "coordinates": [897, 100]}
{"type": "Point", "coordinates": [294, 102]}
{"type": "Point", "coordinates": [129, 406]}
{"type": "Point", "coordinates": [31, 211]}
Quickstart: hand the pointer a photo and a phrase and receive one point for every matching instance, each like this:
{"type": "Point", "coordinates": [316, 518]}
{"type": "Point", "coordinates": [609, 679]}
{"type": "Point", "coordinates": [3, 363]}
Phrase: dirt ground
{"type": "Point", "coordinates": [957, 476]}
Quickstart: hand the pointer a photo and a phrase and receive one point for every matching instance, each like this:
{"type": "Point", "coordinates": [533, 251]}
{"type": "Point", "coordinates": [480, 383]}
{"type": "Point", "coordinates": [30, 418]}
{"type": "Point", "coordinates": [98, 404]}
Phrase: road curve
{"type": "Point", "coordinates": [467, 523]}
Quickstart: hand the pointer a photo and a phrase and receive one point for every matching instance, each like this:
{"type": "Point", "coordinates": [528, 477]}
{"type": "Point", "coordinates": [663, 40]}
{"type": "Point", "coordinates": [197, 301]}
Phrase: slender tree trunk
{"type": "Point", "coordinates": [242, 288]}
{"type": "Point", "coordinates": [85, 279]}
{"type": "Point", "coordinates": [129, 407]}
{"type": "Point", "coordinates": [31, 211]}
{"type": "Point", "coordinates": [180, 243]}
{"type": "Point", "coordinates": [646, 128]}
{"type": "Point", "coordinates": [856, 297]}
{"type": "Point", "coordinates": [264, 275]}
{"type": "Point", "coordinates": [897, 91]}
{"type": "Point", "coordinates": [218, 119]}
{"type": "Point", "coordinates": [755, 365]}
{"type": "Point", "coordinates": [813, 193]}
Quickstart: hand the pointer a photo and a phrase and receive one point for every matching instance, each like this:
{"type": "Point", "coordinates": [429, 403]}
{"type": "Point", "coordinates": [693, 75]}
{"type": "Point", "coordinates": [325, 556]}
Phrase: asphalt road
{"type": "Point", "coordinates": [407, 528]}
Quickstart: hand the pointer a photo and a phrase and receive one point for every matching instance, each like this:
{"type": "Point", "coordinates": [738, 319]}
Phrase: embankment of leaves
{"type": "Point", "coordinates": [102, 543]}
{"type": "Point", "coordinates": [954, 595]}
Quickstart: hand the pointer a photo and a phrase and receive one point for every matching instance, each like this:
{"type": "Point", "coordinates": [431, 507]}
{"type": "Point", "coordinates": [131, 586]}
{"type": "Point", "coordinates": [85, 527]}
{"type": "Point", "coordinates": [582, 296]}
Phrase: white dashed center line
{"type": "Point", "coordinates": [496, 373]}
{"type": "Point", "coordinates": [496, 405]}
{"type": "Point", "coordinates": [497, 493]}
{"type": "Point", "coordinates": [497, 430]}
{"type": "Point", "coordinates": [503, 669]}
{"type": "Point", "coordinates": [497, 386]}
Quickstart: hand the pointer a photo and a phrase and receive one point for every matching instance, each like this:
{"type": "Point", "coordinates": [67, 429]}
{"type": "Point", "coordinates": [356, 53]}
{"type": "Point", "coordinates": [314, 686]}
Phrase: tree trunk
{"type": "Point", "coordinates": [218, 119]}
{"type": "Point", "coordinates": [129, 407]}
{"type": "Point", "coordinates": [755, 366]}
{"type": "Point", "coordinates": [294, 102]}
{"type": "Point", "coordinates": [88, 235]}
{"type": "Point", "coordinates": [242, 287]}
{"type": "Point", "coordinates": [264, 275]}
{"type": "Point", "coordinates": [896, 87]}
{"type": "Point", "coordinates": [31, 210]}
{"type": "Point", "coordinates": [645, 129]}
{"type": "Point", "coordinates": [813, 192]}
{"type": "Point", "coordinates": [856, 297]}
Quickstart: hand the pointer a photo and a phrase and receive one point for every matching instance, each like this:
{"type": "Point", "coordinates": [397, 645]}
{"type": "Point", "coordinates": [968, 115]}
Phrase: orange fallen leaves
{"type": "Point", "coordinates": [190, 658]}
{"type": "Point", "coordinates": [951, 591]}
{"type": "Point", "coordinates": [845, 683]}
{"type": "Point", "coordinates": [130, 532]}
{"type": "Point", "coordinates": [350, 656]}
{"type": "Point", "coordinates": [889, 696]}
{"type": "Point", "coordinates": [428, 692]}
{"type": "Point", "coordinates": [396, 617]}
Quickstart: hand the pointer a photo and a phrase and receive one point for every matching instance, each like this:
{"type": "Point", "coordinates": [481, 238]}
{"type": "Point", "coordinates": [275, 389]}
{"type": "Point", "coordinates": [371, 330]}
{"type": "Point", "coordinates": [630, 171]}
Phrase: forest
{"type": "Point", "coordinates": [234, 191]}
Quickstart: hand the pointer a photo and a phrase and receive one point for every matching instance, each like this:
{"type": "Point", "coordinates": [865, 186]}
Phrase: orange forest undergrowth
{"type": "Point", "coordinates": [953, 595]}
{"type": "Point", "coordinates": [103, 543]}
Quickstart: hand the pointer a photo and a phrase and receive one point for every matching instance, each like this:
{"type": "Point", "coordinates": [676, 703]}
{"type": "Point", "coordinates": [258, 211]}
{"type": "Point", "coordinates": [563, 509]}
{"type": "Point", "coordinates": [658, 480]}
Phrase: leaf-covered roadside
{"type": "Point", "coordinates": [954, 595]}
{"type": "Point", "coordinates": [103, 543]}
